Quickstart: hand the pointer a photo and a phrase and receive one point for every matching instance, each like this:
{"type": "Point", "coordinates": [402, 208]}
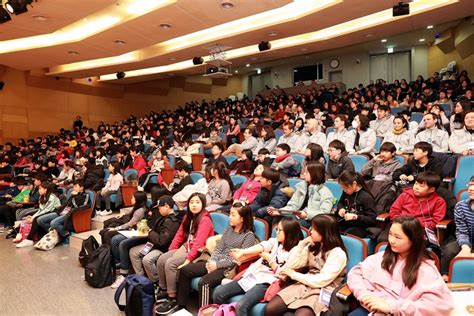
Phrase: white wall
{"type": "Point", "coordinates": [355, 67]}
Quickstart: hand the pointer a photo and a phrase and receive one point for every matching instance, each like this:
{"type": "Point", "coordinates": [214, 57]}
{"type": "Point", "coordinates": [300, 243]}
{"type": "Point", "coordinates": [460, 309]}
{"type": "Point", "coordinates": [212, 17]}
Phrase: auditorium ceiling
{"type": "Point", "coordinates": [152, 39]}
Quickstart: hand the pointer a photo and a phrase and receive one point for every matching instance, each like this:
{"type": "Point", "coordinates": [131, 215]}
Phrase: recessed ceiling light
{"type": "Point", "coordinates": [421, 40]}
{"type": "Point", "coordinates": [119, 42]}
{"type": "Point", "coordinates": [429, 27]}
{"type": "Point", "coordinates": [383, 40]}
{"type": "Point", "coordinates": [304, 49]}
{"type": "Point", "coordinates": [253, 58]}
{"type": "Point", "coordinates": [227, 5]}
{"type": "Point", "coordinates": [272, 34]}
{"type": "Point", "coordinates": [247, 65]}
{"type": "Point", "coordinates": [172, 58]}
{"type": "Point", "coordinates": [390, 50]}
{"type": "Point", "coordinates": [236, 71]}
{"type": "Point", "coordinates": [39, 17]}
{"type": "Point", "coordinates": [73, 52]}
{"type": "Point", "coordinates": [165, 26]}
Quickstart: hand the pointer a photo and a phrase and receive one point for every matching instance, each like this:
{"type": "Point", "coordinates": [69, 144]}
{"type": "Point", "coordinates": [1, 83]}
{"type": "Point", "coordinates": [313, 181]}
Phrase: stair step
{"type": "Point", "coordinates": [75, 241]}
{"type": "Point", "coordinates": [98, 221]}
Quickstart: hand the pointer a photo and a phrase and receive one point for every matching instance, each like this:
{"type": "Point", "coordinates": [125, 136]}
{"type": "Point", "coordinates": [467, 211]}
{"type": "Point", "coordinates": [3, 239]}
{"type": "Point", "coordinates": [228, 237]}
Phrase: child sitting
{"type": "Point", "coordinates": [381, 167]}
{"type": "Point", "coordinates": [284, 162]}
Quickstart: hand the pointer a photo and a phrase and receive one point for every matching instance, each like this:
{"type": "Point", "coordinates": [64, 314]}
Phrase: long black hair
{"type": "Point", "coordinates": [140, 200]}
{"type": "Point", "coordinates": [328, 228]}
{"type": "Point", "coordinates": [416, 255]}
{"type": "Point", "coordinates": [292, 231]}
{"type": "Point", "coordinates": [347, 177]}
{"type": "Point", "coordinates": [194, 218]}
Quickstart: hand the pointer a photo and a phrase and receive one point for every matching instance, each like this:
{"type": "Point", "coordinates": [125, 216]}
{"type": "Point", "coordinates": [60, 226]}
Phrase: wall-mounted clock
{"type": "Point", "coordinates": [334, 63]}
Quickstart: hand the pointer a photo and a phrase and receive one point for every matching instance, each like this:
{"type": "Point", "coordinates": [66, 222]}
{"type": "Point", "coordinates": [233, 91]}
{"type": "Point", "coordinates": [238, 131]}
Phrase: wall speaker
{"type": "Point", "coordinates": [120, 75]}
{"type": "Point", "coordinates": [401, 9]}
{"type": "Point", "coordinates": [198, 60]}
{"type": "Point", "coordinates": [2, 84]}
{"type": "Point", "coordinates": [264, 46]}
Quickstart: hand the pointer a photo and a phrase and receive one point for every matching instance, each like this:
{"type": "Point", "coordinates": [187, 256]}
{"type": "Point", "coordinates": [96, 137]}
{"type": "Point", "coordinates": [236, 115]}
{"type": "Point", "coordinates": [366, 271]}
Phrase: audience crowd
{"type": "Point", "coordinates": [371, 162]}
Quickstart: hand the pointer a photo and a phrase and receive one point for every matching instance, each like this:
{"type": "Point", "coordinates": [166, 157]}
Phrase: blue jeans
{"type": "Point", "coordinates": [45, 220]}
{"type": "Point", "coordinates": [360, 311]}
{"type": "Point", "coordinates": [58, 224]}
{"type": "Point", "coordinates": [249, 300]}
{"type": "Point", "coordinates": [120, 247]}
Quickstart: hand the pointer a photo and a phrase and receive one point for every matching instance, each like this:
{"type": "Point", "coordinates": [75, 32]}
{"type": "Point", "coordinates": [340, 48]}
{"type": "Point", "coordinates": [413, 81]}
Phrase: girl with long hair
{"type": "Point", "coordinates": [220, 187]}
{"type": "Point", "coordinates": [402, 280]}
{"type": "Point", "coordinates": [325, 256]}
{"type": "Point", "coordinates": [192, 234]}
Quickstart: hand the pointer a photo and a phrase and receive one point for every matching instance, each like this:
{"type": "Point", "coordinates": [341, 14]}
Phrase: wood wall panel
{"type": "Point", "coordinates": [32, 105]}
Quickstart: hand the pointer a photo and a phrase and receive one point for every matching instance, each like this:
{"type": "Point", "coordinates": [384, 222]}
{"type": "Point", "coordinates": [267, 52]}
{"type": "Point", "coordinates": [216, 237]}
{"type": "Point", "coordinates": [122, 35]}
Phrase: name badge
{"type": "Point", "coordinates": [430, 234]}
{"type": "Point", "coordinates": [325, 296]}
{"type": "Point", "coordinates": [248, 282]}
{"type": "Point", "coordinates": [146, 249]}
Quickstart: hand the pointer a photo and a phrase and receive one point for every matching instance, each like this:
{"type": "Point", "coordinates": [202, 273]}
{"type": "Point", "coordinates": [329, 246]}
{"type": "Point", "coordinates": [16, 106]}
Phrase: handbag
{"type": "Point", "coordinates": [208, 310]}
{"type": "Point", "coordinates": [226, 310]}
{"type": "Point", "coordinates": [49, 241]}
{"type": "Point", "coordinates": [25, 228]}
{"type": "Point", "coordinates": [271, 291]}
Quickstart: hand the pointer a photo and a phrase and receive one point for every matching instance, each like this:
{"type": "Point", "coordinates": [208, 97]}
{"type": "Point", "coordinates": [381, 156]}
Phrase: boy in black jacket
{"type": "Point", "coordinates": [422, 161]}
{"type": "Point", "coordinates": [164, 224]}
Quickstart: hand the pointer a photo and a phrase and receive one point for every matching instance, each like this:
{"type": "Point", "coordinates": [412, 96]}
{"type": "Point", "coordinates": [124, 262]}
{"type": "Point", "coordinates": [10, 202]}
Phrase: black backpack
{"type": "Point", "coordinates": [88, 247]}
{"type": "Point", "coordinates": [140, 296]}
{"type": "Point", "coordinates": [99, 271]}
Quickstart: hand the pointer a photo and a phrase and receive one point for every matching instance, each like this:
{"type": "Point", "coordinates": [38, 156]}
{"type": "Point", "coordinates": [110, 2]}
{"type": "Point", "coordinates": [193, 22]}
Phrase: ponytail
{"type": "Point", "coordinates": [348, 177]}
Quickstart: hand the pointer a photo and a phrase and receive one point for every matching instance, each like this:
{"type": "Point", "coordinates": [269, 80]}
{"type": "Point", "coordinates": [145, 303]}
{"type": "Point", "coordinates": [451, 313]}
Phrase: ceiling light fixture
{"type": "Point", "coordinates": [390, 50]}
{"type": "Point", "coordinates": [247, 65]}
{"type": "Point", "coordinates": [421, 40]}
{"type": "Point", "coordinates": [383, 40]}
{"type": "Point", "coordinates": [227, 5]}
{"type": "Point", "coordinates": [4, 16]}
{"type": "Point", "coordinates": [272, 34]}
{"type": "Point", "coordinates": [165, 26]}
{"type": "Point", "coordinates": [39, 17]}
{"type": "Point", "coordinates": [429, 27]}
{"type": "Point", "coordinates": [236, 71]}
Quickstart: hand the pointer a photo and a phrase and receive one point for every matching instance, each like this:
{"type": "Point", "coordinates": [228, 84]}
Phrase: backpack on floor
{"type": "Point", "coordinates": [99, 271]}
{"type": "Point", "coordinates": [140, 296]}
{"type": "Point", "coordinates": [87, 248]}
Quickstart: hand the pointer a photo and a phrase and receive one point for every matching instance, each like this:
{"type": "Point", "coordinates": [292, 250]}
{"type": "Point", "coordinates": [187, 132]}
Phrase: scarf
{"type": "Point", "coordinates": [399, 132]}
{"type": "Point", "coordinates": [281, 158]}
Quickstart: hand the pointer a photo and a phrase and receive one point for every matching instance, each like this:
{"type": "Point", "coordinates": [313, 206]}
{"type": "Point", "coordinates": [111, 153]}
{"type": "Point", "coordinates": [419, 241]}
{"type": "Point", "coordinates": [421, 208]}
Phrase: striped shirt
{"type": "Point", "coordinates": [464, 219]}
{"type": "Point", "coordinates": [230, 240]}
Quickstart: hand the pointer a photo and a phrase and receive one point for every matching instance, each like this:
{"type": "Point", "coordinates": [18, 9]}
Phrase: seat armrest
{"type": "Point", "coordinates": [247, 258]}
{"type": "Point", "coordinates": [383, 217]}
{"type": "Point", "coordinates": [444, 224]}
{"type": "Point", "coordinates": [344, 293]}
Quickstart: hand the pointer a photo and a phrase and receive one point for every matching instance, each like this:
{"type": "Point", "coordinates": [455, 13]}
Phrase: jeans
{"type": "Point", "coordinates": [251, 298]}
{"type": "Point", "coordinates": [360, 311]}
{"type": "Point", "coordinates": [45, 220]}
{"type": "Point", "coordinates": [58, 225]}
{"type": "Point", "coordinates": [120, 246]}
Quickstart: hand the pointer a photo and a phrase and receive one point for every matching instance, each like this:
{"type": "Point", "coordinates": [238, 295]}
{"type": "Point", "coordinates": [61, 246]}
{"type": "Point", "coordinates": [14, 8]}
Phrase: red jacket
{"type": "Point", "coordinates": [139, 164]}
{"type": "Point", "coordinates": [248, 191]}
{"type": "Point", "coordinates": [429, 211]}
{"type": "Point", "coordinates": [205, 230]}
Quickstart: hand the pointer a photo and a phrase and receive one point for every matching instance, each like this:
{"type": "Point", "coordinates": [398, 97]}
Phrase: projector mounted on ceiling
{"type": "Point", "coordinates": [217, 66]}
{"type": "Point", "coordinates": [401, 9]}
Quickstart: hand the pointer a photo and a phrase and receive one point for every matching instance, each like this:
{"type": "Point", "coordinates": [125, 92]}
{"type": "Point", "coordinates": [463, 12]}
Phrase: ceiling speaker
{"type": "Point", "coordinates": [401, 9]}
{"type": "Point", "coordinates": [198, 60]}
{"type": "Point", "coordinates": [264, 46]}
{"type": "Point", "coordinates": [120, 75]}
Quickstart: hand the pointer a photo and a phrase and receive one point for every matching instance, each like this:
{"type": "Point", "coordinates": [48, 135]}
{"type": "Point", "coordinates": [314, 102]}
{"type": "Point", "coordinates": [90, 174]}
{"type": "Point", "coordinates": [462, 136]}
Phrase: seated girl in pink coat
{"type": "Point", "coordinates": [403, 279]}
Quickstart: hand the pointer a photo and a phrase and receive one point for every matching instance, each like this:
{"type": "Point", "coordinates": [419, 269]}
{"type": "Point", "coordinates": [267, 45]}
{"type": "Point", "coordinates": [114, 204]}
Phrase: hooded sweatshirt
{"type": "Point", "coordinates": [380, 170]}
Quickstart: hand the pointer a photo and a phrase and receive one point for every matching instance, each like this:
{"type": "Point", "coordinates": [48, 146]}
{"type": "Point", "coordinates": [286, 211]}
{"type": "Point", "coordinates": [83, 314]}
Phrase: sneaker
{"type": "Point", "coordinates": [160, 294]}
{"type": "Point", "coordinates": [98, 213]}
{"type": "Point", "coordinates": [167, 307]}
{"type": "Point", "coordinates": [119, 280]}
{"type": "Point", "coordinates": [18, 238]}
{"type": "Point", "coordinates": [25, 243]}
{"type": "Point", "coordinates": [106, 212]}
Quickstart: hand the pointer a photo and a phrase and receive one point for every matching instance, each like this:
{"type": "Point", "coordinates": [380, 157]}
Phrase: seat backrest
{"type": "Point", "coordinates": [356, 250]}
{"type": "Point", "coordinates": [129, 172]}
{"type": "Point", "coordinates": [278, 134]}
{"type": "Point", "coordinates": [230, 158]}
{"type": "Point", "coordinates": [91, 198]}
{"type": "Point", "coordinates": [395, 111]}
{"type": "Point", "coordinates": [106, 174]}
{"type": "Point", "coordinates": [462, 195]}
{"type": "Point", "coordinates": [220, 221]}
{"type": "Point", "coordinates": [335, 189]}
{"type": "Point", "coordinates": [196, 176]}
{"type": "Point", "coordinates": [463, 173]}
{"type": "Point", "coordinates": [381, 247]}
{"type": "Point", "coordinates": [238, 179]}
{"type": "Point", "coordinates": [461, 270]}
{"type": "Point", "coordinates": [261, 228]}
{"type": "Point", "coordinates": [172, 160]}
{"type": "Point", "coordinates": [378, 143]}
{"type": "Point", "coordinates": [329, 130]}
{"type": "Point", "coordinates": [417, 117]}
{"type": "Point", "coordinates": [401, 159]}
{"type": "Point", "coordinates": [300, 159]}
{"type": "Point", "coordinates": [359, 161]}
{"type": "Point", "coordinates": [292, 182]}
